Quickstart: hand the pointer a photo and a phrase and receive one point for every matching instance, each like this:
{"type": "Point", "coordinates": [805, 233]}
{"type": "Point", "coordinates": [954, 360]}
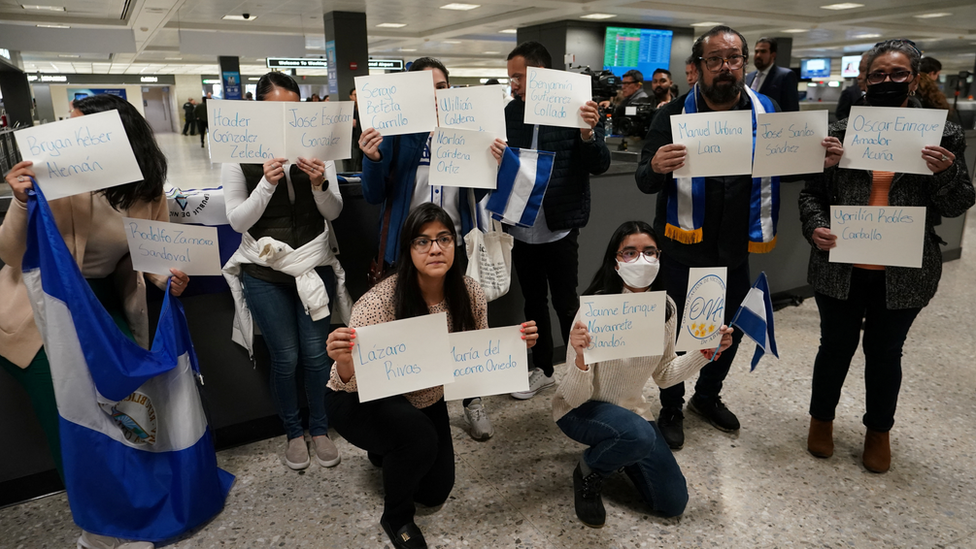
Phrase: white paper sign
{"type": "Point", "coordinates": [878, 235]}
{"type": "Point", "coordinates": [623, 325]}
{"type": "Point", "coordinates": [891, 139]}
{"type": "Point", "coordinates": [554, 98]}
{"type": "Point", "coordinates": [480, 108]}
{"type": "Point", "coordinates": [488, 362]}
{"type": "Point", "coordinates": [320, 130]}
{"type": "Point", "coordinates": [246, 132]}
{"type": "Point", "coordinates": [789, 143]}
{"type": "Point", "coordinates": [79, 155]}
{"type": "Point", "coordinates": [157, 246]}
{"type": "Point", "coordinates": [704, 310]}
{"type": "Point", "coordinates": [462, 158]}
{"type": "Point", "coordinates": [719, 143]}
{"type": "Point", "coordinates": [402, 356]}
{"type": "Point", "coordinates": [399, 103]}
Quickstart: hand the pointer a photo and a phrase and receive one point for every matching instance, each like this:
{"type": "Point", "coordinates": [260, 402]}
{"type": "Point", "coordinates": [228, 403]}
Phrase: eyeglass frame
{"type": "Point", "coordinates": [888, 75]}
{"type": "Point", "coordinates": [725, 60]}
{"type": "Point", "coordinates": [414, 245]}
{"type": "Point", "coordinates": [653, 251]}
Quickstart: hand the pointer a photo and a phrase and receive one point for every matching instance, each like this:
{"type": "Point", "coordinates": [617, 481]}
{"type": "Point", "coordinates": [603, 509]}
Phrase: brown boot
{"type": "Point", "coordinates": [820, 441]}
{"type": "Point", "coordinates": [877, 452]}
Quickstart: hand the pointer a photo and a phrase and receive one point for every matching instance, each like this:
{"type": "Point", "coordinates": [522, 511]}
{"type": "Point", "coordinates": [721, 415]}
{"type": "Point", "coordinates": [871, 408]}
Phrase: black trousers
{"type": "Point", "coordinates": [190, 125]}
{"type": "Point", "coordinates": [885, 331]}
{"type": "Point", "coordinates": [711, 377]}
{"type": "Point", "coordinates": [414, 444]}
{"type": "Point", "coordinates": [202, 128]}
{"type": "Point", "coordinates": [545, 268]}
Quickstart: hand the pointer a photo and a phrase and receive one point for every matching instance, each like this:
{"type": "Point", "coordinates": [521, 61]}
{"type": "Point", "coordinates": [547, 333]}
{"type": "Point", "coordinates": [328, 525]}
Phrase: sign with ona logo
{"type": "Point", "coordinates": [704, 309]}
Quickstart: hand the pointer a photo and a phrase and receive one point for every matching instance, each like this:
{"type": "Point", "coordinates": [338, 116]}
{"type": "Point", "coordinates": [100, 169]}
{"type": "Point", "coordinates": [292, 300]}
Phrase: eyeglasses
{"type": "Point", "coordinates": [626, 82]}
{"type": "Point", "coordinates": [630, 255]}
{"type": "Point", "coordinates": [421, 244]}
{"type": "Point", "coordinates": [878, 77]}
{"type": "Point", "coordinates": [714, 64]}
{"type": "Point", "coordinates": [516, 79]}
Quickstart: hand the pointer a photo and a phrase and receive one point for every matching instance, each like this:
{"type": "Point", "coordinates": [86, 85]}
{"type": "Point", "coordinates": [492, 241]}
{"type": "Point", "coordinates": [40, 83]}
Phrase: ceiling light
{"type": "Point", "coordinates": [451, 41]}
{"type": "Point", "coordinates": [50, 26]}
{"type": "Point", "coordinates": [795, 31]}
{"type": "Point", "coordinates": [842, 6]}
{"type": "Point", "coordinates": [868, 35]}
{"type": "Point", "coordinates": [932, 15]}
{"type": "Point", "coordinates": [408, 49]}
{"type": "Point", "coordinates": [391, 25]}
{"type": "Point", "coordinates": [239, 17]}
{"type": "Point", "coordinates": [174, 58]}
{"type": "Point", "coordinates": [706, 24]}
{"type": "Point", "coordinates": [460, 7]}
{"type": "Point", "coordinates": [509, 31]}
{"type": "Point", "coordinates": [492, 52]}
{"type": "Point", "coordinates": [42, 8]}
{"type": "Point", "coordinates": [69, 55]}
{"type": "Point", "coordinates": [598, 16]}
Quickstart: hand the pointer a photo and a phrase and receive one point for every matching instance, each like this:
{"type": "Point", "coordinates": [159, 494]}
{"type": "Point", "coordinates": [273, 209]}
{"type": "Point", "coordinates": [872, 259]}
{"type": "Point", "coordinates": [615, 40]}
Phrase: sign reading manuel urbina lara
{"type": "Point", "coordinates": [718, 143]}
{"type": "Point", "coordinates": [81, 154]}
{"type": "Point", "coordinates": [488, 362]}
{"type": "Point", "coordinates": [397, 104]}
{"type": "Point", "coordinates": [399, 357]}
{"type": "Point", "coordinates": [878, 235]}
{"type": "Point", "coordinates": [623, 325]}
{"type": "Point", "coordinates": [891, 139]}
{"type": "Point", "coordinates": [157, 246]}
{"type": "Point", "coordinates": [554, 98]}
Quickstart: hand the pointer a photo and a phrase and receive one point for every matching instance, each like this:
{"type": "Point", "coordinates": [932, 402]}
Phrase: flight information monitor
{"type": "Point", "coordinates": [815, 68]}
{"type": "Point", "coordinates": [646, 50]}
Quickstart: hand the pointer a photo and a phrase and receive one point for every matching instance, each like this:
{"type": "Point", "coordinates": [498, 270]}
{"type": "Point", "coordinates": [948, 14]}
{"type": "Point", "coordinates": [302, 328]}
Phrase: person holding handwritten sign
{"type": "Point", "coordinates": [602, 405]}
{"type": "Point", "coordinates": [710, 221]}
{"type": "Point", "coordinates": [409, 435]}
{"type": "Point", "coordinates": [885, 299]}
{"type": "Point", "coordinates": [91, 224]}
{"type": "Point", "coordinates": [289, 293]}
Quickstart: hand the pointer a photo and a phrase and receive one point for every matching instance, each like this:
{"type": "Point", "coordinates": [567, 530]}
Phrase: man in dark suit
{"type": "Point", "coordinates": [853, 94]}
{"type": "Point", "coordinates": [773, 81]}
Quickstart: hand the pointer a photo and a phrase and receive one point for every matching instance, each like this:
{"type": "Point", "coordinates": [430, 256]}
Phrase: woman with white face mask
{"type": "Point", "coordinates": [602, 405]}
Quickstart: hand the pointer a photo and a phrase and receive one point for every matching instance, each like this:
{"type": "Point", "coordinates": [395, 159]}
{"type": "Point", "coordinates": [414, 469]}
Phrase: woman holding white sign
{"type": "Point", "coordinates": [286, 275]}
{"type": "Point", "coordinates": [409, 435]}
{"type": "Point", "coordinates": [602, 405]}
{"type": "Point", "coordinates": [883, 299]}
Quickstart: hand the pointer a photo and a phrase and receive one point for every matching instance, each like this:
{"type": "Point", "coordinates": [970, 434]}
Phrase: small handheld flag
{"type": "Point", "coordinates": [523, 178]}
{"type": "Point", "coordinates": [755, 319]}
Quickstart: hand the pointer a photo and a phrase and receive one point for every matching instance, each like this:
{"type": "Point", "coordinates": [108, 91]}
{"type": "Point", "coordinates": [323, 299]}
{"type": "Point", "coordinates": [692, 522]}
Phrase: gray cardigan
{"type": "Point", "coordinates": [948, 193]}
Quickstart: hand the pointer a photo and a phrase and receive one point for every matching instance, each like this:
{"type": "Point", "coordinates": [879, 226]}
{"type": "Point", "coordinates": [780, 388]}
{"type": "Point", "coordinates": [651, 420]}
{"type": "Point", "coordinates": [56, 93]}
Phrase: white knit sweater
{"type": "Point", "coordinates": [621, 382]}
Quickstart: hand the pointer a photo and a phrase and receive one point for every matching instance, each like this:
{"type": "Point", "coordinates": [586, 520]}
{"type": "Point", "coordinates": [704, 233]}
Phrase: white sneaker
{"type": "Point", "coordinates": [537, 382]}
{"type": "Point", "coordinates": [477, 417]}
{"type": "Point", "coordinates": [95, 541]}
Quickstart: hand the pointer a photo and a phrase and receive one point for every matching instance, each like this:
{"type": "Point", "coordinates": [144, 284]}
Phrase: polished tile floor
{"type": "Point", "coordinates": [759, 488]}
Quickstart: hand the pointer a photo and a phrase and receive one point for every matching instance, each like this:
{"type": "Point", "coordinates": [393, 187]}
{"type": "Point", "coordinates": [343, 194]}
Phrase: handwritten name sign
{"type": "Point", "coordinates": [157, 246]}
{"type": "Point", "coordinates": [402, 356]}
{"type": "Point", "coordinates": [878, 235]}
{"type": "Point", "coordinates": [891, 139]}
{"type": "Point", "coordinates": [480, 108]}
{"type": "Point", "coordinates": [623, 325]}
{"type": "Point", "coordinates": [789, 143]}
{"type": "Point", "coordinates": [719, 143]}
{"type": "Point", "coordinates": [704, 310]}
{"type": "Point", "coordinates": [399, 103]}
{"type": "Point", "coordinates": [462, 158]}
{"type": "Point", "coordinates": [488, 362]}
{"type": "Point", "coordinates": [554, 98]}
{"type": "Point", "coordinates": [79, 155]}
{"type": "Point", "coordinates": [320, 130]}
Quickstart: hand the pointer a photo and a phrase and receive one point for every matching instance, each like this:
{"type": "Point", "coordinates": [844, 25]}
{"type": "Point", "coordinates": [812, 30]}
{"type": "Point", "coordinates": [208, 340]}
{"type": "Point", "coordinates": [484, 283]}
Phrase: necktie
{"type": "Point", "coordinates": [757, 81]}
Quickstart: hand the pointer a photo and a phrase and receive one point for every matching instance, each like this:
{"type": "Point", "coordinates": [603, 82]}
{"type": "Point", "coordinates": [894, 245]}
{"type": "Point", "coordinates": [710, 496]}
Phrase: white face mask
{"type": "Point", "coordinates": [640, 273]}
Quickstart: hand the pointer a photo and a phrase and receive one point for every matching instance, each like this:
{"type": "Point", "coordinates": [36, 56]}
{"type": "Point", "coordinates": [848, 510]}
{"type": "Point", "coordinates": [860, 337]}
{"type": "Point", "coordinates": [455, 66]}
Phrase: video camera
{"type": "Point", "coordinates": [604, 84]}
{"type": "Point", "coordinates": [637, 124]}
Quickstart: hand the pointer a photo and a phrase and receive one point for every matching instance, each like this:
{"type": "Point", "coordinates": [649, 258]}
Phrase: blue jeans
{"type": "Point", "coordinates": [619, 438]}
{"type": "Point", "coordinates": [289, 331]}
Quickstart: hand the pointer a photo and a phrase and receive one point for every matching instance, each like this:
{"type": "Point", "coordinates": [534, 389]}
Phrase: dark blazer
{"type": "Point", "coordinates": [780, 85]}
{"type": "Point", "coordinates": [848, 98]}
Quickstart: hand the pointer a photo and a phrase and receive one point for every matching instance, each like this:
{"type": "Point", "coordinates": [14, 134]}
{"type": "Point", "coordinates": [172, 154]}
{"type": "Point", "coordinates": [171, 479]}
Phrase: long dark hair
{"type": "Point", "coordinates": [273, 80]}
{"type": "Point", "coordinates": [151, 159]}
{"type": "Point", "coordinates": [408, 301]}
{"type": "Point", "coordinates": [606, 280]}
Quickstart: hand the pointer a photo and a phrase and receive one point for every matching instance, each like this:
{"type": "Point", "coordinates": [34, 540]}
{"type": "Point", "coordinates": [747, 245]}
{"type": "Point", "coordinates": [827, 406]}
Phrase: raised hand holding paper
{"type": "Point", "coordinates": [462, 158]}
{"type": "Point", "coordinates": [78, 155]}
{"type": "Point", "coordinates": [157, 246]}
{"type": "Point", "coordinates": [891, 139]}
{"type": "Point", "coordinates": [554, 98]}
{"type": "Point", "coordinates": [488, 362]}
{"type": "Point", "coordinates": [878, 235]}
{"type": "Point", "coordinates": [246, 132]}
{"type": "Point", "coordinates": [789, 143]}
{"type": "Point", "coordinates": [623, 325]}
{"type": "Point", "coordinates": [704, 310]}
{"type": "Point", "coordinates": [719, 143]}
{"type": "Point", "coordinates": [478, 108]}
{"type": "Point", "coordinates": [320, 130]}
{"type": "Point", "coordinates": [402, 356]}
{"type": "Point", "coordinates": [397, 104]}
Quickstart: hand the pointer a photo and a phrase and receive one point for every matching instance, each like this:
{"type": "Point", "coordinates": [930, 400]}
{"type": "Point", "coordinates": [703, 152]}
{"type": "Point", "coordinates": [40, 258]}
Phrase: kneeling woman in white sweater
{"type": "Point", "coordinates": [602, 405]}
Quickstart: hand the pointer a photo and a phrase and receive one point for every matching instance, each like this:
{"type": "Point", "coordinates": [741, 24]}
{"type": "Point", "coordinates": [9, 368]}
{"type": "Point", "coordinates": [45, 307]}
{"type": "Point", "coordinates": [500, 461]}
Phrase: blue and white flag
{"type": "Point", "coordinates": [139, 462]}
{"type": "Point", "coordinates": [755, 319]}
{"type": "Point", "coordinates": [523, 178]}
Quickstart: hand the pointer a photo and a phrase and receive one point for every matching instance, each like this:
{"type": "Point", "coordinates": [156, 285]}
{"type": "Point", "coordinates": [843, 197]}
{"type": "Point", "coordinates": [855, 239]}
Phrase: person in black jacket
{"type": "Point", "coordinates": [190, 116]}
{"type": "Point", "coordinates": [852, 95]}
{"type": "Point", "coordinates": [546, 255]}
{"type": "Point", "coordinates": [202, 125]}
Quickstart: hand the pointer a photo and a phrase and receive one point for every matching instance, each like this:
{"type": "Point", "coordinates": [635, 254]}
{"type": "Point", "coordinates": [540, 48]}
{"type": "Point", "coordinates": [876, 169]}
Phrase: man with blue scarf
{"type": "Point", "coordinates": [709, 221]}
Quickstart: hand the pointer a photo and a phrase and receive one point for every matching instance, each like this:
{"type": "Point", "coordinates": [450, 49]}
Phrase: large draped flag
{"type": "Point", "coordinates": [523, 178]}
{"type": "Point", "coordinates": [755, 319]}
{"type": "Point", "coordinates": [139, 462]}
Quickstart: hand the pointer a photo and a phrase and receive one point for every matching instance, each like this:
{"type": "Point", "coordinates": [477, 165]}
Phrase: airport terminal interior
{"type": "Point", "coordinates": [758, 486]}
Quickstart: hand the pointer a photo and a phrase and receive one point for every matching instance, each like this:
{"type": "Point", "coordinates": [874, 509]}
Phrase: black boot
{"type": "Point", "coordinates": [589, 502]}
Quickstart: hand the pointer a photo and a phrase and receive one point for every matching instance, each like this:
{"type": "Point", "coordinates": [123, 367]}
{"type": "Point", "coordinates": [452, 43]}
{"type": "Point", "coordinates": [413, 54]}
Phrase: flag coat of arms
{"type": "Point", "coordinates": [139, 462]}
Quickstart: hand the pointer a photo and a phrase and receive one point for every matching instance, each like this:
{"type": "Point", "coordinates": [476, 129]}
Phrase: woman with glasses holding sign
{"type": "Point", "coordinates": [602, 405]}
{"type": "Point", "coordinates": [409, 435]}
{"type": "Point", "coordinates": [883, 299]}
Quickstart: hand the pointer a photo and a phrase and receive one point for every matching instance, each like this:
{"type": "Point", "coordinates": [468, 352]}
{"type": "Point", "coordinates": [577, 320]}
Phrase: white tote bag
{"type": "Point", "coordinates": [489, 255]}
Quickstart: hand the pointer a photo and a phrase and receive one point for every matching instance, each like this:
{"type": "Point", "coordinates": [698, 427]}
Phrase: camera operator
{"type": "Point", "coordinates": [632, 89]}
